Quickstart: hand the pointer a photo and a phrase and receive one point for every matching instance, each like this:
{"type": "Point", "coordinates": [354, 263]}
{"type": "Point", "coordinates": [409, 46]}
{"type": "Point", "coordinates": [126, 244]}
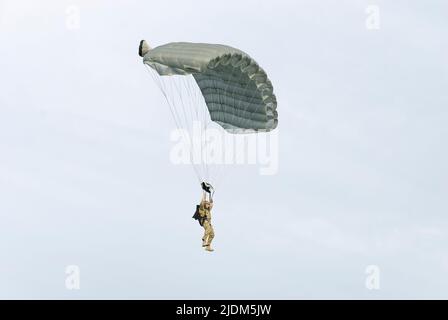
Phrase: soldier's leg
{"type": "Point", "coordinates": [205, 237]}
{"type": "Point", "coordinates": [211, 234]}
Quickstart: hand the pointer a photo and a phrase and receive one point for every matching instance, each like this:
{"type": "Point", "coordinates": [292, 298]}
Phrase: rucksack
{"type": "Point", "coordinates": [197, 216]}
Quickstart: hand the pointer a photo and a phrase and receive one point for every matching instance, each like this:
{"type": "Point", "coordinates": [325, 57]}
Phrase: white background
{"type": "Point", "coordinates": [85, 176]}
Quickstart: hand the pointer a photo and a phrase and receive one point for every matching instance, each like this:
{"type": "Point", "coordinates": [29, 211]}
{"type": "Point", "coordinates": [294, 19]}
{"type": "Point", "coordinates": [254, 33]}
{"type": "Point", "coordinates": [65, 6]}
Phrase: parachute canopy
{"type": "Point", "coordinates": [236, 90]}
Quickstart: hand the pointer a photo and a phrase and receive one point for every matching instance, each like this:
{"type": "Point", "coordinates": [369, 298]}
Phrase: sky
{"type": "Point", "coordinates": [86, 178]}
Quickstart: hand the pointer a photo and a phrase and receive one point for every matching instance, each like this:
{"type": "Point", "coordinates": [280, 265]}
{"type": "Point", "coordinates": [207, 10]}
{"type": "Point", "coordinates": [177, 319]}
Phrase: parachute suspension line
{"type": "Point", "coordinates": [201, 109]}
{"type": "Point", "coordinates": [202, 106]}
{"type": "Point", "coordinates": [187, 110]}
{"type": "Point", "coordinates": [205, 126]}
{"type": "Point", "coordinates": [180, 90]}
{"type": "Point", "coordinates": [171, 104]}
{"type": "Point", "coordinates": [219, 168]}
{"type": "Point", "coordinates": [160, 85]}
{"type": "Point", "coordinates": [185, 120]}
{"type": "Point", "coordinates": [188, 124]}
{"type": "Point", "coordinates": [202, 170]}
{"type": "Point", "coordinates": [180, 96]}
{"type": "Point", "coordinates": [190, 100]}
{"type": "Point", "coordinates": [197, 106]}
{"type": "Point", "coordinates": [183, 87]}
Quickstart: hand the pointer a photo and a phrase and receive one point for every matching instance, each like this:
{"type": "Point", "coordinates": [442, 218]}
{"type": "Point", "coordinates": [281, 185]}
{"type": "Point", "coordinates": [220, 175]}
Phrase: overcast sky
{"type": "Point", "coordinates": [86, 179]}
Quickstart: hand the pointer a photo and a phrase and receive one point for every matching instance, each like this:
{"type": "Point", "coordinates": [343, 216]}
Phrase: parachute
{"type": "Point", "coordinates": [211, 84]}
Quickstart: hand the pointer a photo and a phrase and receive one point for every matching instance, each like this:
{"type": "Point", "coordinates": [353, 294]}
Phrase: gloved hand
{"type": "Point", "coordinates": [206, 187]}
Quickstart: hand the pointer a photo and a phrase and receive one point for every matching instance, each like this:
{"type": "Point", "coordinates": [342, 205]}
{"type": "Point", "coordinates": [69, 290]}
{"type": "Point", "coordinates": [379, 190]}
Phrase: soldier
{"type": "Point", "coordinates": [206, 218]}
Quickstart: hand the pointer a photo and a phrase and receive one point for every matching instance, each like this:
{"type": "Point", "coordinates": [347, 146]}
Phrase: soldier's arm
{"type": "Point", "coordinates": [201, 204]}
{"type": "Point", "coordinates": [204, 198]}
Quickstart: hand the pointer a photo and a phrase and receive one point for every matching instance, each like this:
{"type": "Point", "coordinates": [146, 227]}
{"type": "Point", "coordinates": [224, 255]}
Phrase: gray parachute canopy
{"type": "Point", "coordinates": [236, 90]}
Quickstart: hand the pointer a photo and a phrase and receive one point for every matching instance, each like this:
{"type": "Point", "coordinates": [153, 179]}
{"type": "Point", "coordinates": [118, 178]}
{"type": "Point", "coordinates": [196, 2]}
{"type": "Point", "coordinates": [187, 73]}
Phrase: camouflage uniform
{"type": "Point", "coordinates": [206, 217]}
